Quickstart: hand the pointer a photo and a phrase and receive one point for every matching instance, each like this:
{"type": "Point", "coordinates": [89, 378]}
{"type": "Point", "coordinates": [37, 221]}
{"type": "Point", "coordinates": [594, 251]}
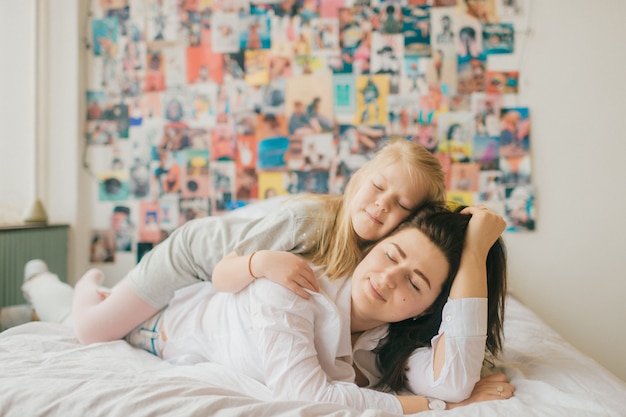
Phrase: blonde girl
{"type": "Point", "coordinates": [329, 230]}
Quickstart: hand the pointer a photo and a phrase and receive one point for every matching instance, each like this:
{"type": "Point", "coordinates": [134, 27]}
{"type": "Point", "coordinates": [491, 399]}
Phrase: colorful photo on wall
{"type": "Point", "coordinates": [166, 174]}
{"type": "Point", "coordinates": [491, 191]}
{"type": "Point", "coordinates": [498, 38]}
{"type": "Point", "coordinates": [246, 152]}
{"type": "Point", "coordinates": [102, 247]}
{"type": "Point", "coordinates": [195, 181]}
{"type": "Point", "coordinates": [271, 153]}
{"type": "Point", "coordinates": [254, 29]}
{"type": "Point", "coordinates": [388, 58]}
{"type": "Point", "coordinates": [416, 30]}
{"type": "Point", "coordinates": [95, 104]}
{"type": "Point", "coordinates": [105, 35]}
{"type": "Point", "coordinates": [193, 208]}
{"type": "Point", "coordinates": [464, 176]}
{"type": "Point", "coordinates": [372, 92]}
{"type": "Point", "coordinates": [257, 67]}
{"type": "Point", "coordinates": [143, 248]}
{"type": "Point", "coordinates": [471, 78]}
{"type": "Point", "coordinates": [486, 151]}
{"type": "Point", "coordinates": [161, 21]}
{"type": "Point", "coordinates": [168, 213]}
{"type": "Point", "coordinates": [113, 186]}
{"type": "Point", "coordinates": [465, 198]}
{"type": "Point", "coordinates": [325, 34]}
{"type": "Point", "coordinates": [456, 134]}
{"type": "Point", "coordinates": [514, 132]}
{"type": "Point", "coordinates": [344, 93]}
{"type": "Point", "coordinates": [272, 184]}
{"type": "Point", "coordinates": [123, 228]}
{"type": "Point", "coordinates": [309, 104]}
{"type": "Point", "coordinates": [515, 170]}
{"type": "Point", "coordinates": [520, 208]}
{"type": "Point", "coordinates": [223, 174]}
{"type": "Point", "coordinates": [154, 79]}
{"type": "Point", "coordinates": [148, 225]}
{"type": "Point", "coordinates": [502, 82]}
{"type": "Point", "coordinates": [203, 64]}
{"type": "Point", "coordinates": [223, 143]}
{"type": "Point", "coordinates": [225, 32]}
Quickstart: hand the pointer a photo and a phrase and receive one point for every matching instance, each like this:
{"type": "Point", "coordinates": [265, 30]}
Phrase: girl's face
{"type": "Point", "coordinates": [400, 278]}
{"type": "Point", "coordinates": [383, 200]}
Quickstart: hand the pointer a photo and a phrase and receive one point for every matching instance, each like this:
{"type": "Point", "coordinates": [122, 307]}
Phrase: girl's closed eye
{"type": "Point", "coordinates": [377, 186]}
{"type": "Point", "coordinates": [403, 206]}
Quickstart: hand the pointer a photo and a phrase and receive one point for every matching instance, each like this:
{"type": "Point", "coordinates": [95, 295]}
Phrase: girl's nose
{"type": "Point", "coordinates": [381, 203]}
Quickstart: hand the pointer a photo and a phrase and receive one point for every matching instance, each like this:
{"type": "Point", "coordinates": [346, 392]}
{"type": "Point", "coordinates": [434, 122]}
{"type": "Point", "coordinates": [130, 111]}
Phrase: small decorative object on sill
{"type": "Point", "coordinates": [36, 214]}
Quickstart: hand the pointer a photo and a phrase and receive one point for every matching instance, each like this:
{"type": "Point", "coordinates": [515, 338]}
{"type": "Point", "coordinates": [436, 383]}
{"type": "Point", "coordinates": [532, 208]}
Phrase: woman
{"type": "Point", "coordinates": [306, 349]}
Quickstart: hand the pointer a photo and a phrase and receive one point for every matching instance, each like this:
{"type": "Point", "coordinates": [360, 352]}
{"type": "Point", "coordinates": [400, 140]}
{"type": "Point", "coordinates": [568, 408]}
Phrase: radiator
{"type": "Point", "coordinates": [18, 245]}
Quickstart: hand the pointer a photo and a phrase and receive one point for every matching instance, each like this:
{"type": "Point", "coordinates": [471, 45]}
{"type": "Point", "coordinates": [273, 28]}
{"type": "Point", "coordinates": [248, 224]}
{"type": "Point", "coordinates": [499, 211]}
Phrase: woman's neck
{"type": "Point", "coordinates": [359, 324]}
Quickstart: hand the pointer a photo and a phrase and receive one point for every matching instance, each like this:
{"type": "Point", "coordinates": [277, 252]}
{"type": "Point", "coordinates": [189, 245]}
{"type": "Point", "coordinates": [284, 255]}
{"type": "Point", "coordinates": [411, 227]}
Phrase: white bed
{"type": "Point", "coordinates": [45, 372]}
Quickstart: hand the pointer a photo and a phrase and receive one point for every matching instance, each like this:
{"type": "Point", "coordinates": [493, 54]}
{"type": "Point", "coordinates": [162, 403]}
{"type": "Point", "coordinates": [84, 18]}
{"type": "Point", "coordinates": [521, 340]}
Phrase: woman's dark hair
{"type": "Point", "coordinates": [446, 229]}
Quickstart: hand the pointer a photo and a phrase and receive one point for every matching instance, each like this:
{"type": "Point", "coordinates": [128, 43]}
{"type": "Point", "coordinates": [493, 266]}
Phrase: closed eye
{"type": "Point", "coordinates": [402, 206]}
{"type": "Point", "coordinates": [378, 187]}
{"type": "Point", "coordinates": [413, 284]}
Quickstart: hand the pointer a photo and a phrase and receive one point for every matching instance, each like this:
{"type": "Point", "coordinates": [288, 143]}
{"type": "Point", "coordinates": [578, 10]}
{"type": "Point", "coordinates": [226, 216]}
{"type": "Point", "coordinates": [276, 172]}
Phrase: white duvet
{"type": "Point", "coordinates": [45, 372]}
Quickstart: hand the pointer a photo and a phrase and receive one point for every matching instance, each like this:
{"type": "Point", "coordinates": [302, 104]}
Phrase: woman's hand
{"type": "Point", "coordinates": [492, 387]}
{"type": "Point", "coordinates": [286, 269]}
{"type": "Point", "coordinates": [485, 227]}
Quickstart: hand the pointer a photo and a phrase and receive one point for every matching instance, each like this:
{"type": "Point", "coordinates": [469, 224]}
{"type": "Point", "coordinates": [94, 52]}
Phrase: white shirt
{"type": "Point", "coordinates": [465, 326]}
{"type": "Point", "coordinates": [300, 349]}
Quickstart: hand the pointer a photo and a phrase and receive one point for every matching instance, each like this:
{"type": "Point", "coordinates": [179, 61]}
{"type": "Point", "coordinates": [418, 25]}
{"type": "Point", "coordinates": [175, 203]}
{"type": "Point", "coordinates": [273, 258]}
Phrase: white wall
{"type": "Point", "coordinates": [571, 270]}
{"type": "Point", "coordinates": [17, 108]}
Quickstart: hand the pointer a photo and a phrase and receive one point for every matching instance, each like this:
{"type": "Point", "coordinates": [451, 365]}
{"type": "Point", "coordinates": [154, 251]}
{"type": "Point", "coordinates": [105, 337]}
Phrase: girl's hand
{"type": "Point", "coordinates": [286, 269]}
{"type": "Point", "coordinates": [485, 227]}
{"type": "Point", "coordinates": [492, 387]}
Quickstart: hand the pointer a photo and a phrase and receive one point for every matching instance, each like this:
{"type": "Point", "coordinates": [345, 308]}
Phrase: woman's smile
{"type": "Point", "coordinates": [376, 293]}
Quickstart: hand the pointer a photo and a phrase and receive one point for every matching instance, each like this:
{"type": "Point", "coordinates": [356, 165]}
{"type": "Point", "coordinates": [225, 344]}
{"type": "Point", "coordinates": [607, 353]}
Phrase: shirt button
{"type": "Point", "coordinates": [448, 318]}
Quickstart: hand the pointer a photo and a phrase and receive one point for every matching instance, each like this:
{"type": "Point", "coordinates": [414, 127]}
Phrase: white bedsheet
{"type": "Point", "coordinates": [45, 372]}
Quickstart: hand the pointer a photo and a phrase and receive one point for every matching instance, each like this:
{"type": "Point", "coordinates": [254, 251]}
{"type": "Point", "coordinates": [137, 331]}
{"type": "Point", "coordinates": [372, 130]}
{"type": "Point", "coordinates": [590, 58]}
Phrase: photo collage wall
{"type": "Point", "coordinates": [198, 107]}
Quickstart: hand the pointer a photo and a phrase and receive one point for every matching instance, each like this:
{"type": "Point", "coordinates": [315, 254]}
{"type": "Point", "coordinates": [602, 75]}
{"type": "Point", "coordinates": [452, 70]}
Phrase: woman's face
{"type": "Point", "coordinates": [399, 278]}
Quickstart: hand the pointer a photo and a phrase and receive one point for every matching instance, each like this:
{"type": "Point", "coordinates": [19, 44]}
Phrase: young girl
{"type": "Point", "coordinates": [305, 350]}
{"type": "Point", "coordinates": [329, 230]}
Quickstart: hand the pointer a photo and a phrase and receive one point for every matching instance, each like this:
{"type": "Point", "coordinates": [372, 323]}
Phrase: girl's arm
{"type": "Point", "coordinates": [451, 369]}
{"type": "Point", "coordinates": [277, 238]}
{"type": "Point", "coordinates": [233, 273]}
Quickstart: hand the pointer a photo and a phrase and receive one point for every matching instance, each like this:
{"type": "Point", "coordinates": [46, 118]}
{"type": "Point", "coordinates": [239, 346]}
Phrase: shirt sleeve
{"type": "Point", "coordinates": [288, 348]}
{"type": "Point", "coordinates": [175, 262]}
{"type": "Point", "coordinates": [293, 227]}
{"type": "Point", "coordinates": [464, 323]}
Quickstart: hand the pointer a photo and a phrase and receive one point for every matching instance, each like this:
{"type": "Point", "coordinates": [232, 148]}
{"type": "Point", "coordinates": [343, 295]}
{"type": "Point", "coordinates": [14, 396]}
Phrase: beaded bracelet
{"type": "Point", "coordinates": [250, 265]}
